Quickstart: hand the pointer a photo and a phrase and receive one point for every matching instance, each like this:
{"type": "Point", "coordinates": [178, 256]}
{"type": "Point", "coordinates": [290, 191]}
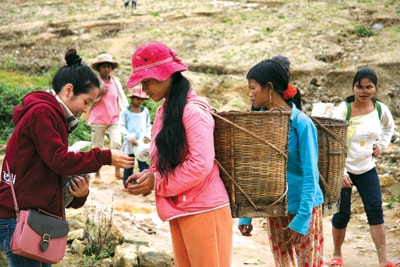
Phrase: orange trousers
{"type": "Point", "coordinates": [203, 239]}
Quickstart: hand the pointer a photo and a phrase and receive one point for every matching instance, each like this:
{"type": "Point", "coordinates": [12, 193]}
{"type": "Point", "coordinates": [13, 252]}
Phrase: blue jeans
{"type": "Point", "coordinates": [369, 188]}
{"type": "Point", "coordinates": [128, 172]}
{"type": "Point", "coordinates": [7, 227]}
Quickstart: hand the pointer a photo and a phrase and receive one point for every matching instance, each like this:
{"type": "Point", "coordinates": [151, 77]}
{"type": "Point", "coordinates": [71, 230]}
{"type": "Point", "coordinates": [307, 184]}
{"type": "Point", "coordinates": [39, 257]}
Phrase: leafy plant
{"type": "Point", "coordinates": [9, 98]}
{"type": "Point", "coordinates": [99, 234]}
{"type": "Point", "coordinates": [82, 133]}
{"type": "Point", "coordinates": [152, 106]}
{"type": "Point", "coordinates": [363, 31]}
{"type": "Point", "coordinates": [391, 202]}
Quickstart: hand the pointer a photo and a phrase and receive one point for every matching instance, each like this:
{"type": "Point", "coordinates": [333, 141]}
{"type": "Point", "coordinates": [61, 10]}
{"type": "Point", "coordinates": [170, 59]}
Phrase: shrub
{"type": "Point", "coordinates": [83, 132]}
{"type": "Point", "coordinates": [362, 31]}
{"type": "Point", "coordinates": [9, 98]}
{"type": "Point", "coordinates": [152, 106]}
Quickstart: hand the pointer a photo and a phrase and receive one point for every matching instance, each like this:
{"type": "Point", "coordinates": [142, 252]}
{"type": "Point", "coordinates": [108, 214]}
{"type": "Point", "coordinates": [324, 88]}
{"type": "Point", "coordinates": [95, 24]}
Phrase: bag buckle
{"type": "Point", "coordinates": [46, 238]}
{"type": "Point", "coordinates": [44, 244]}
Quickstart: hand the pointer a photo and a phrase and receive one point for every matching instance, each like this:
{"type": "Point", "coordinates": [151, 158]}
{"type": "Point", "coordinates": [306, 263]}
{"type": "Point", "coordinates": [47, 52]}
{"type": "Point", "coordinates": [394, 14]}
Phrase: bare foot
{"type": "Point", "coordinates": [118, 173]}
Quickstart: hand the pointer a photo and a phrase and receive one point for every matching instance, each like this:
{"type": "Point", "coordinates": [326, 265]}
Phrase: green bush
{"type": "Point", "coordinates": [9, 98]}
{"type": "Point", "coordinates": [363, 31]}
{"type": "Point", "coordinates": [152, 106]}
{"type": "Point", "coordinates": [83, 132]}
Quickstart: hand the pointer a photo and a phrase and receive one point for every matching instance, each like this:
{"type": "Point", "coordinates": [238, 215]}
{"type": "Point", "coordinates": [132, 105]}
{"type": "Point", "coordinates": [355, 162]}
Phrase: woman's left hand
{"type": "Point", "coordinates": [376, 150]}
{"type": "Point", "coordinates": [79, 186]}
{"type": "Point", "coordinates": [143, 183]}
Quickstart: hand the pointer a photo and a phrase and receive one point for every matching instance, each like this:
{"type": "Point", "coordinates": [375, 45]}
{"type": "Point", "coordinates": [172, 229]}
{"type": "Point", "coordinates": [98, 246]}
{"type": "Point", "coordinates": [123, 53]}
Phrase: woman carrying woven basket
{"type": "Point", "coordinates": [370, 130]}
{"type": "Point", "coordinates": [296, 239]}
{"type": "Point", "coordinates": [189, 192]}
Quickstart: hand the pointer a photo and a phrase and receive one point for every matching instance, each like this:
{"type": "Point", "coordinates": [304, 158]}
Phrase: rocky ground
{"type": "Point", "coordinates": [220, 41]}
{"type": "Point", "coordinates": [136, 217]}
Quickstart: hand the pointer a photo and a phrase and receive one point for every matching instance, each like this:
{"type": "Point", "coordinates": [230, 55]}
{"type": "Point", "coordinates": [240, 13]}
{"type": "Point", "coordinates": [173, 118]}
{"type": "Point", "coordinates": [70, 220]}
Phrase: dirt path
{"type": "Point", "coordinates": [136, 217]}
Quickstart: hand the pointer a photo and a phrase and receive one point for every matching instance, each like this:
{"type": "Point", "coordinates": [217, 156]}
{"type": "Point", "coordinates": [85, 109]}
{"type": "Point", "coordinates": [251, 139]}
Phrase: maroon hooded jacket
{"type": "Point", "coordinates": [38, 157]}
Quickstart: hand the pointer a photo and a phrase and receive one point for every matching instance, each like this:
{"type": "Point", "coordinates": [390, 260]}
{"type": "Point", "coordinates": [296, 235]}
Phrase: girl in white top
{"type": "Point", "coordinates": [370, 130]}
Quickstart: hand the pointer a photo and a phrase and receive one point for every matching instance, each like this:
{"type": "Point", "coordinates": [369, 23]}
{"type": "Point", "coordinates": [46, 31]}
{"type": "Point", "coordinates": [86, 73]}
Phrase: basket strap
{"type": "Point", "coordinates": [249, 133]}
{"type": "Point", "coordinates": [335, 136]}
{"type": "Point", "coordinates": [244, 193]}
{"type": "Point", "coordinates": [326, 187]}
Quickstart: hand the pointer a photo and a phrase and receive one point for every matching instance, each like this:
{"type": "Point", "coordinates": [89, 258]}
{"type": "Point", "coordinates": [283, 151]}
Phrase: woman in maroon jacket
{"type": "Point", "coordinates": [37, 152]}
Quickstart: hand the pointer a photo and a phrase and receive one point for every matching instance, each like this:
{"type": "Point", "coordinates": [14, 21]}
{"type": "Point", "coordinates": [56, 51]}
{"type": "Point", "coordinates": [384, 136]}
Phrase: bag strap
{"type": "Point", "coordinates": [379, 109]}
{"type": "Point", "coordinates": [10, 181]}
{"type": "Point", "coordinates": [348, 105]}
{"type": "Point", "coordinates": [16, 207]}
{"type": "Point", "coordinates": [377, 106]}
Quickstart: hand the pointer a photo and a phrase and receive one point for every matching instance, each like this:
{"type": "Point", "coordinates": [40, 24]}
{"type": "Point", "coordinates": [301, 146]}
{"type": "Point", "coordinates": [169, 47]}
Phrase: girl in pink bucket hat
{"type": "Point", "coordinates": [189, 192]}
{"type": "Point", "coordinates": [135, 127]}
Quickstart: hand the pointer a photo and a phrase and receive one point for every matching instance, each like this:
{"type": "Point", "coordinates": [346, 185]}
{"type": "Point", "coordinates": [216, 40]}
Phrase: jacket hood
{"type": "Point", "coordinates": [34, 98]}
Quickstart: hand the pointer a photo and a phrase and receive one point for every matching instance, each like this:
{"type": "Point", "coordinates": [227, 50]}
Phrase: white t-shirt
{"type": "Point", "coordinates": [363, 132]}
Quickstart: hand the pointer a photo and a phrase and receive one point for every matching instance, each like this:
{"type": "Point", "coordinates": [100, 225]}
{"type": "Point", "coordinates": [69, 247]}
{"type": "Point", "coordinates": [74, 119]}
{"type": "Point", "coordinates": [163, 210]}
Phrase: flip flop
{"type": "Point", "coordinates": [393, 264]}
{"type": "Point", "coordinates": [337, 262]}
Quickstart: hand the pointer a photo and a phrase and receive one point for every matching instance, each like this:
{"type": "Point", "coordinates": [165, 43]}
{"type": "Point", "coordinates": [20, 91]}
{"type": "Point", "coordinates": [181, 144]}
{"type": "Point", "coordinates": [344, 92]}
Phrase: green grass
{"type": "Point", "coordinates": [16, 79]}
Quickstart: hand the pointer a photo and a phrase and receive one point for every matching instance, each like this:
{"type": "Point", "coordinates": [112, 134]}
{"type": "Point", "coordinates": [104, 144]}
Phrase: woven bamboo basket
{"type": "Point", "coordinates": [251, 151]}
{"type": "Point", "coordinates": [332, 149]}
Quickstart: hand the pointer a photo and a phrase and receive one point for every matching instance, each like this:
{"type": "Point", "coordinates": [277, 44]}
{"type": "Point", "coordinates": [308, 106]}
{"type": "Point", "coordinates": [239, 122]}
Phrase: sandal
{"type": "Point", "coordinates": [393, 264]}
{"type": "Point", "coordinates": [337, 262]}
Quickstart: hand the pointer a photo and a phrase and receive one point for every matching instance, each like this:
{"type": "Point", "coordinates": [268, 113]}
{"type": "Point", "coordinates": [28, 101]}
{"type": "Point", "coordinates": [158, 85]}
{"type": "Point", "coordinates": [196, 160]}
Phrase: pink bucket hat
{"type": "Point", "coordinates": [138, 92]}
{"type": "Point", "coordinates": [154, 60]}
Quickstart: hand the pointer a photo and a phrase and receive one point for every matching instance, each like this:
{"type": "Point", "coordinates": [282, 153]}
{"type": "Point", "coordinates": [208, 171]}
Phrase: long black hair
{"type": "Point", "coordinates": [76, 73]}
{"type": "Point", "coordinates": [364, 73]}
{"type": "Point", "coordinates": [171, 139]}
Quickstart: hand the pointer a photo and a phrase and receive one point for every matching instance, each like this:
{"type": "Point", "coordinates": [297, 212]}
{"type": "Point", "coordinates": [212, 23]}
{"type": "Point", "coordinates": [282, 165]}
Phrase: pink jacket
{"type": "Point", "coordinates": [195, 186]}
